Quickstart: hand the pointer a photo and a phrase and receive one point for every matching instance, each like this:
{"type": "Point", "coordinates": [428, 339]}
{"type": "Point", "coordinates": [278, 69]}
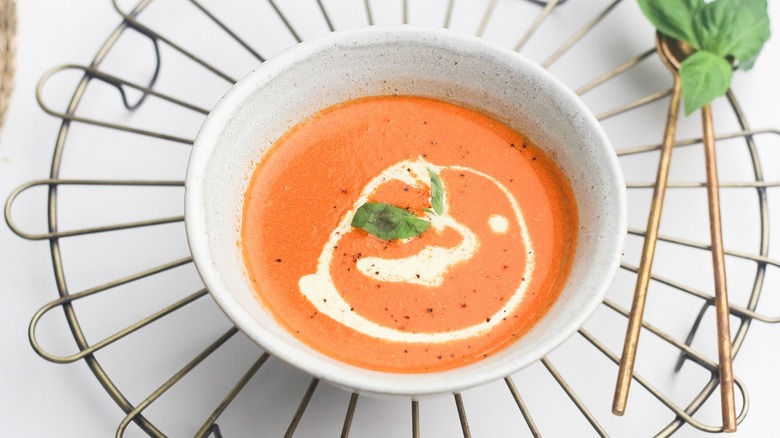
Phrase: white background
{"type": "Point", "coordinates": [40, 399]}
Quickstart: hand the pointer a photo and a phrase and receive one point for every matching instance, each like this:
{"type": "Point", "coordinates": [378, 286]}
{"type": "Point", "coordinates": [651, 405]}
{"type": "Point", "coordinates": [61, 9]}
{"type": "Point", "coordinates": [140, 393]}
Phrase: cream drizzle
{"type": "Point", "coordinates": [431, 263]}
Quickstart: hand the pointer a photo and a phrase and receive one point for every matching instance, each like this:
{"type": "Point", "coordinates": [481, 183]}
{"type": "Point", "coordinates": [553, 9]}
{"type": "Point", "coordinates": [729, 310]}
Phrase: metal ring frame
{"type": "Point", "coordinates": [131, 22]}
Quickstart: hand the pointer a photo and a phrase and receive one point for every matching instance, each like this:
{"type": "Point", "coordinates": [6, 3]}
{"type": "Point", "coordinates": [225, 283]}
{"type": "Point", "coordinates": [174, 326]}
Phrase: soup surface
{"type": "Point", "coordinates": [493, 258]}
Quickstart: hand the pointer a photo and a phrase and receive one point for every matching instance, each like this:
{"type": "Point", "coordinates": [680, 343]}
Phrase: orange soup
{"type": "Point", "coordinates": [481, 226]}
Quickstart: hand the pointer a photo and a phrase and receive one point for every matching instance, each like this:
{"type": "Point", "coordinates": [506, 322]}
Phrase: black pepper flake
{"type": "Point", "coordinates": [351, 309]}
{"type": "Point", "coordinates": [344, 191]}
{"type": "Point", "coordinates": [487, 319]}
{"type": "Point", "coordinates": [376, 272]}
{"type": "Point", "coordinates": [417, 275]}
{"type": "Point", "coordinates": [462, 174]}
{"type": "Point", "coordinates": [525, 145]}
{"type": "Point", "coordinates": [523, 279]}
{"type": "Point", "coordinates": [511, 180]}
{"type": "Point", "coordinates": [278, 260]}
{"type": "Point", "coordinates": [385, 247]}
{"type": "Point", "coordinates": [406, 189]}
{"type": "Point", "coordinates": [533, 159]}
{"type": "Point", "coordinates": [430, 310]}
{"type": "Point", "coordinates": [406, 316]}
{"type": "Point", "coordinates": [324, 300]}
{"type": "Point", "coordinates": [438, 357]}
{"type": "Point", "coordinates": [406, 351]}
{"type": "Point", "coordinates": [511, 145]}
{"type": "Point", "coordinates": [463, 305]}
{"type": "Point", "coordinates": [505, 266]}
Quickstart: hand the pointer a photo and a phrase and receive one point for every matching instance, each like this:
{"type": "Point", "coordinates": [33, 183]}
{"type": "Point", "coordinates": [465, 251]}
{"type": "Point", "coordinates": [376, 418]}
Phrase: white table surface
{"type": "Point", "coordinates": [42, 399]}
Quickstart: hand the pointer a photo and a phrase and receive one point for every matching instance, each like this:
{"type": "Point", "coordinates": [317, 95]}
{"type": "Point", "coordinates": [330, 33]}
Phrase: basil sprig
{"type": "Point", "coordinates": [721, 31]}
{"type": "Point", "coordinates": [389, 222]}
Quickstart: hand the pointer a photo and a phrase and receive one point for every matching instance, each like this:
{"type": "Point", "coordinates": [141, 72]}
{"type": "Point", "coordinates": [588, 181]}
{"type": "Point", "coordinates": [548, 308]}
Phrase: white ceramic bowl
{"type": "Point", "coordinates": [401, 60]}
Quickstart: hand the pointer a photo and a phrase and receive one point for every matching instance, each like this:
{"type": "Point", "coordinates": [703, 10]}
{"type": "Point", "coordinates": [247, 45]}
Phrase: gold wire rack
{"type": "Point", "coordinates": [115, 127]}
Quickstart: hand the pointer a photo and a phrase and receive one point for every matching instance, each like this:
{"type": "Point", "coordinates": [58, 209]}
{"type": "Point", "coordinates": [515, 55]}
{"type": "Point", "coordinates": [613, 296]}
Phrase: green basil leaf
{"type": "Point", "coordinates": [388, 222]}
{"type": "Point", "coordinates": [704, 77]}
{"type": "Point", "coordinates": [673, 18]}
{"type": "Point", "coordinates": [749, 33]}
{"type": "Point", "coordinates": [712, 24]}
{"type": "Point", "coordinates": [437, 193]}
{"type": "Point", "coordinates": [736, 28]}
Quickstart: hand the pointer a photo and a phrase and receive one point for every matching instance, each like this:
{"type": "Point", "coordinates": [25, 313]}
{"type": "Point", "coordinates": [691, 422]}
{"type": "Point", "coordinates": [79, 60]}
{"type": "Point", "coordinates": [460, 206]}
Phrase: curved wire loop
{"type": "Point", "coordinates": [91, 230]}
{"type": "Point", "coordinates": [89, 350]}
{"type": "Point", "coordinates": [93, 73]}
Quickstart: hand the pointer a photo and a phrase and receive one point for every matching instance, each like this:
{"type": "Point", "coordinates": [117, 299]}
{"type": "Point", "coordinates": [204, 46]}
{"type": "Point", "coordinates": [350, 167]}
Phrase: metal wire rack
{"type": "Point", "coordinates": [153, 21]}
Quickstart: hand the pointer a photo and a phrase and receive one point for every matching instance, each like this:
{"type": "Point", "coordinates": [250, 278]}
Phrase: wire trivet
{"type": "Point", "coordinates": [153, 22]}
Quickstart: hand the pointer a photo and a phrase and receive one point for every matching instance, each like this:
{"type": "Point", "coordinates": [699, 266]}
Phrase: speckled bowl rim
{"type": "Point", "coordinates": [341, 374]}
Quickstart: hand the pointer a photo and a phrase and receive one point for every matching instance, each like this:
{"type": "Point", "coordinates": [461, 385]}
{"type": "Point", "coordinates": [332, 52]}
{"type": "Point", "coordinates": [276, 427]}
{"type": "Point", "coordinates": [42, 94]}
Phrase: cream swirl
{"type": "Point", "coordinates": [427, 267]}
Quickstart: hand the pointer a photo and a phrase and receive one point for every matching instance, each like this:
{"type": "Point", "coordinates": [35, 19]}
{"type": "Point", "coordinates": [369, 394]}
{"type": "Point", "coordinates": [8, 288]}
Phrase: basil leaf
{"type": "Point", "coordinates": [736, 28]}
{"type": "Point", "coordinates": [704, 77]}
{"type": "Point", "coordinates": [388, 222]}
{"type": "Point", "coordinates": [749, 33]}
{"type": "Point", "coordinates": [712, 23]}
{"type": "Point", "coordinates": [673, 18]}
{"type": "Point", "coordinates": [437, 193]}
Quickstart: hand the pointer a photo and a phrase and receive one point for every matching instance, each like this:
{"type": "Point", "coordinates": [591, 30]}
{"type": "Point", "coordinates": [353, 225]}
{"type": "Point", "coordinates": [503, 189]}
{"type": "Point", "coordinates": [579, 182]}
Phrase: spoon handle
{"type": "Point", "coordinates": [628, 359]}
{"type": "Point", "coordinates": [728, 409]}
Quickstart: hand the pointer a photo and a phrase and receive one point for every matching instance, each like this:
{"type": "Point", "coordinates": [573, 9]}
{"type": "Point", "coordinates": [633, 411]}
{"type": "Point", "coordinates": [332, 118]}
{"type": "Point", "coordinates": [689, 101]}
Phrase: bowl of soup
{"type": "Point", "coordinates": [404, 211]}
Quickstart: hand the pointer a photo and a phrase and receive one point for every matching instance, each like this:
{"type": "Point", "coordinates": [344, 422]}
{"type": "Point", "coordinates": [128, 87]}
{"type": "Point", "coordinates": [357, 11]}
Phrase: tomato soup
{"type": "Point", "coordinates": [494, 228]}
